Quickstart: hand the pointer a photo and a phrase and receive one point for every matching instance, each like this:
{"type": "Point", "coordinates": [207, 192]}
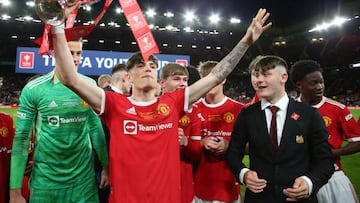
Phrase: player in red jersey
{"type": "Point", "coordinates": [214, 181]}
{"type": "Point", "coordinates": [6, 138]}
{"type": "Point", "coordinates": [340, 124]}
{"type": "Point", "coordinates": [144, 154]}
{"type": "Point", "coordinates": [173, 77]}
{"type": "Point", "coordinates": [7, 133]}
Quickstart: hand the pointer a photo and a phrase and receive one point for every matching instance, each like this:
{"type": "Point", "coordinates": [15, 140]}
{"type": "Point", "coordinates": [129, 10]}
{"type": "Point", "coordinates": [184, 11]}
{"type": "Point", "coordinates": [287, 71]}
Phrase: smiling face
{"type": "Point", "coordinates": [269, 84]}
{"type": "Point", "coordinates": [174, 82]}
{"type": "Point", "coordinates": [312, 87]}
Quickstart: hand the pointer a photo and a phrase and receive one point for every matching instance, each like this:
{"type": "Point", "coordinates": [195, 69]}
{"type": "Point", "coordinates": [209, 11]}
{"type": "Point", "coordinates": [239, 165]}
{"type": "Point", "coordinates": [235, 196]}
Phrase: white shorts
{"type": "Point", "coordinates": [338, 190]}
{"type": "Point", "coordinates": [198, 200]}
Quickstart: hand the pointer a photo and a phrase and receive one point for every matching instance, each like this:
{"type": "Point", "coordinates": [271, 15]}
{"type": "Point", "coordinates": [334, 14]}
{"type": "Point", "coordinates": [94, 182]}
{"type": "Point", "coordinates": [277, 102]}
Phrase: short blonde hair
{"type": "Point", "coordinates": [172, 69]}
{"type": "Point", "coordinates": [206, 67]}
{"type": "Point", "coordinates": [103, 79]}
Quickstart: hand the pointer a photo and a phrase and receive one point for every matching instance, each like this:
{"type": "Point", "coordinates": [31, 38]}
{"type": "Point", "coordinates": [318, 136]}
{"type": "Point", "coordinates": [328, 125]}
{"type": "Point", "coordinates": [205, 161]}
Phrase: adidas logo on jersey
{"type": "Point", "coordinates": [53, 104]}
{"type": "Point", "coordinates": [131, 111]}
{"type": "Point", "coordinates": [200, 117]}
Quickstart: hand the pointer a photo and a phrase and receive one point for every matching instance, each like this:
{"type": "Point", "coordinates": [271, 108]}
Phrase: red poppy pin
{"type": "Point", "coordinates": [295, 116]}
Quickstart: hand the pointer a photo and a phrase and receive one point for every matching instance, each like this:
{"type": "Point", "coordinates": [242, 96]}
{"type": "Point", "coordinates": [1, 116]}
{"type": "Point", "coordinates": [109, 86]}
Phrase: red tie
{"type": "Point", "coordinates": [273, 128]}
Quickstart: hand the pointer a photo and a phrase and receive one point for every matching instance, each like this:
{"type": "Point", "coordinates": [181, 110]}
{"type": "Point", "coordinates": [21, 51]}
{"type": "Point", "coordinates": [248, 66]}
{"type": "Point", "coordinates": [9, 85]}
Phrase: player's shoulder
{"type": "Point", "coordinates": [3, 114]}
{"type": "Point", "coordinates": [38, 81]}
{"type": "Point", "coordinates": [87, 78]}
{"type": "Point", "coordinates": [234, 102]}
{"type": "Point", "coordinates": [6, 116]}
{"type": "Point", "coordinates": [334, 103]}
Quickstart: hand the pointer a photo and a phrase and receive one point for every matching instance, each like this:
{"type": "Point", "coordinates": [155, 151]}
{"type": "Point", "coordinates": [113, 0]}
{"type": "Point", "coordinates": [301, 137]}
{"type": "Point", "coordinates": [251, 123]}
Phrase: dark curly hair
{"type": "Point", "coordinates": [303, 67]}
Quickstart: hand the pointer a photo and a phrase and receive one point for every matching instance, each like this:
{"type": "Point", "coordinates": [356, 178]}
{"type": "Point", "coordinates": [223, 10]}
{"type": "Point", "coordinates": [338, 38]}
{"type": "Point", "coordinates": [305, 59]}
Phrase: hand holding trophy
{"type": "Point", "coordinates": [54, 12]}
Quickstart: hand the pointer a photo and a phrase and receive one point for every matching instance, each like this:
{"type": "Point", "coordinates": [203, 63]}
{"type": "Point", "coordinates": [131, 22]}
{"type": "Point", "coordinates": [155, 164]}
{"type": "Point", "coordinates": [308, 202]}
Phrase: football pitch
{"type": "Point", "coordinates": [351, 163]}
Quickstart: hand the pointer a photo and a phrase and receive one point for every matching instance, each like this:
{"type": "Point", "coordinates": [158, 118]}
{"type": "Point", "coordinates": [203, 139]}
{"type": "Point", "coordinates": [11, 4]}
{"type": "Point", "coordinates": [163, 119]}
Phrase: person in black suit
{"type": "Point", "coordinates": [297, 161]}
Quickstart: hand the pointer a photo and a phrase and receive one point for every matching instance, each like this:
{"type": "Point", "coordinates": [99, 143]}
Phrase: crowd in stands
{"type": "Point", "coordinates": [340, 88]}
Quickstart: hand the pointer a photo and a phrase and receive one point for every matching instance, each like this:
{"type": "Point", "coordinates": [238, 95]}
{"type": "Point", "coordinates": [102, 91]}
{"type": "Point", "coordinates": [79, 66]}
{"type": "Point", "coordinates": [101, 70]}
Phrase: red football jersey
{"type": "Point", "coordinates": [213, 179]}
{"type": "Point", "coordinates": [340, 124]}
{"type": "Point", "coordinates": [144, 147]}
{"type": "Point", "coordinates": [190, 154]}
{"type": "Point", "coordinates": [7, 133]}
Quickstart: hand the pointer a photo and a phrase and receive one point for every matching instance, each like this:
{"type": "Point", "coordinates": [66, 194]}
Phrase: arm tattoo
{"type": "Point", "coordinates": [227, 64]}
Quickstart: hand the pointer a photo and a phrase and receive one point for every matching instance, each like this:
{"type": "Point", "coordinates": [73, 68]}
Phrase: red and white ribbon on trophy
{"type": "Point", "coordinates": [134, 16]}
{"type": "Point", "coordinates": [139, 28]}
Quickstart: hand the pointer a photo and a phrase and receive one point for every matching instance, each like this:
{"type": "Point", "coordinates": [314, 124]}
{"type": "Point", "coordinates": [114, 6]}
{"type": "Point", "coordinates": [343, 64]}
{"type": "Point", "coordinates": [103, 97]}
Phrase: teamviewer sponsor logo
{"type": "Point", "coordinates": [130, 127]}
{"type": "Point", "coordinates": [53, 120]}
{"type": "Point", "coordinates": [26, 60]}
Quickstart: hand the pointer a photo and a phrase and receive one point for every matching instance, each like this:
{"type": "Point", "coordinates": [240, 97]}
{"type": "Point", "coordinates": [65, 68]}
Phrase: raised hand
{"type": "Point", "coordinates": [70, 7]}
{"type": "Point", "coordinates": [257, 26]}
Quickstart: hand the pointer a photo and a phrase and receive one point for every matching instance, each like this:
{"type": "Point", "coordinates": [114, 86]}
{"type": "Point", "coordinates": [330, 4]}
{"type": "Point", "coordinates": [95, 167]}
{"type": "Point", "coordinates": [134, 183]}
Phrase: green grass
{"type": "Point", "coordinates": [351, 163]}
{"type": "Point", "coordinates": [355, 113]}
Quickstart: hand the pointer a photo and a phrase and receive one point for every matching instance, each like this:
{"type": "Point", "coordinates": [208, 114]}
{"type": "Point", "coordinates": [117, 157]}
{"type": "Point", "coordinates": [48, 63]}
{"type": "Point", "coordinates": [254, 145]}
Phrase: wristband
{"type": "Point", "coordinates": [59, 29]}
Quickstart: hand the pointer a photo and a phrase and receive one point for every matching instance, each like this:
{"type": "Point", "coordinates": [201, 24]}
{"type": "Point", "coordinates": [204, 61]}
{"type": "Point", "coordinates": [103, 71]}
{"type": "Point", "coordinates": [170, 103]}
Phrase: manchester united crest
{"type": "Point", "coordinates": [229, 117]}
{"type": "Point", "coordinates": [163, 109]}
{"type": "Point", "coordinates": [184, 121]}
{"type": "Point", "coordinates": [327, 121]}
{"type": "Point", "coordinates": [4, 131]}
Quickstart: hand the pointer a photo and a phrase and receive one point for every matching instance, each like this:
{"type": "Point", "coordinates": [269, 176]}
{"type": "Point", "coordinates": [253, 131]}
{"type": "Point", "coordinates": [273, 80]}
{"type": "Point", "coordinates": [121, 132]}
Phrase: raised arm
{"type": "Point", "coordinates": [67, 73]}
{"type": "Point", "coordinates": [227, 64]}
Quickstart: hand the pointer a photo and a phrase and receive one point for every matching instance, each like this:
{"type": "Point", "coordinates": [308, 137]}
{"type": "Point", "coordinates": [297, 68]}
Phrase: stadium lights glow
{"type": "Point", "coordinates": [169, 14]}
{"type": "Point", "coordinates": [86, 8]}
{"type": "Point", "coordinates": [338, 21]}
{"type": "Point", "coordinates": [235, 20]}
{"type": "Point", "coordinates": [151, 13]}
{"type": "Point", "coordinates": [30, 3]}
{"type": "Point", "coordinates": [118, 10]}
{"type": "Point", "coordinates": [101, 41]}
{"type": "Point", "coordinates": [5, 2]}
{"type": "Point", "coordinates": [169, 27]}
{"type": "Point", "coordinates": [5, 17]}
{"type": "Point", "coordinates": [189, 16]}
{"type": "Point", "coordinates": [356, 65]}
{"type": "Point", "coordinates": [113, 24]}
{"type": "Point", "coordinates": [214, 18]}
{"type": "Point", "coordinates": [165, 45]}
{"type": "Point", "coordinates": [117, 42]}
{"type": "Point", "coordinates": [24, 18]}
{"type": "Point", "coordinates": [28, 18]}
{"type": "Point", "coordinates": [213, 32]}
{"type": "Point", "coordinates": [14, 36]}
{"type": "Point", "coordinates": [188, 29]}
{"type": "Point", "coordinates": [193, 46]}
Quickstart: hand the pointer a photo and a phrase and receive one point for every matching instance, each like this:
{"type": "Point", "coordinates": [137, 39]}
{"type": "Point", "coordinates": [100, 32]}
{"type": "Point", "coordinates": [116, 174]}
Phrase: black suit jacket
{"type": "Point", "coordinates": [303, 151]}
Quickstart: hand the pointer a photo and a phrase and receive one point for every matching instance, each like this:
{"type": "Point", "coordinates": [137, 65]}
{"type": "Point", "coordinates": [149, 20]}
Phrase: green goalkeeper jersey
{"type": "Point", "coordinates": [65, 131]}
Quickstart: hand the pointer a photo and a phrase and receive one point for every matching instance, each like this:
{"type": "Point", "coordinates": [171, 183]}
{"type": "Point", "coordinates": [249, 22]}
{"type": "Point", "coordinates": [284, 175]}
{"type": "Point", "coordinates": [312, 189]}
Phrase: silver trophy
{"type": "Point", "coordinates": [53, 11]}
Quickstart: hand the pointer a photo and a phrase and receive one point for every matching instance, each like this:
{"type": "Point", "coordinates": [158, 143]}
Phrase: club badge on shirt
{"type": "Point", "coordinates": [299, 139]}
